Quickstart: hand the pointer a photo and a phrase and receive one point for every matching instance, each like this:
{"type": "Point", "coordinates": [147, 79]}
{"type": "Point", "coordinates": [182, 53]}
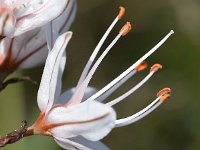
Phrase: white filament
{"type": "Point", "coordinates": [139, 115]}
{"type": "Point", "coordinates": [147, 112]}
{"type": "Point", "coordinates": [79, 93]}
{"type": "Point", "coordinates": [125, 73]}
{"type": "Point", "coordinates": [110, 88]}
{"type": "Point", "coordinates": [131, 68]}
{"type": "Point", "coordinates": [95, 52]}
{"type": "Point", "coordinates": [117, 100]}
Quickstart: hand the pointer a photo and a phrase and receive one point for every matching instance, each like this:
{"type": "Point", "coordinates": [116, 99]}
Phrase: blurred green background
{"type": "Point", "coordinates": [176, 124]}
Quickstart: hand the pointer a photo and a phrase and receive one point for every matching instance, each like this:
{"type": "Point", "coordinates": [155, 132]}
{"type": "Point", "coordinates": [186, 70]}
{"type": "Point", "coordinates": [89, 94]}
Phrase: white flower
{"type": "Point", "coordinates": [31, 48]}
{"type": "Point", "coordinates": [78, 122]}
{"type": "Point", "coordinates": [20, 16]}
{"type": "Point", "coordinates": [22, 52]}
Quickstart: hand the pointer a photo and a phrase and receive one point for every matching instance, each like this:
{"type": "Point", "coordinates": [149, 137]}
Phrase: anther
{"type": "Point", "coordinates": [163, 92]}
{"type": "Point", "coordinates": [156, 67]}
{"type": "Point", "coordinates": [125, 29]}
{"type": "Point", "coordinates": [164, 97]}
{"type": "Point", "coordinates": [141, 66]}
{"type": "Point", "coordinates": [121, 12]}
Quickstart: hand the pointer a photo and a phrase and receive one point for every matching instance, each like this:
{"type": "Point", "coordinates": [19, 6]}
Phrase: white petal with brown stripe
{"type": "Point", "coordinates": [7, 22]}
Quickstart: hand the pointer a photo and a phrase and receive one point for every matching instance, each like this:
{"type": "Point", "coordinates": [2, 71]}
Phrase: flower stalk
{"type": "Point", "coordinates": [28, 32]}
{"type": "Point", "coordinates": [14, 136]}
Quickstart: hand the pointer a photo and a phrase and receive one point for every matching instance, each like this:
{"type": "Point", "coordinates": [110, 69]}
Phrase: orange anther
{"type": "Point", "coordinates": [156, 67]}
{"type": "Point", "coordinates": [141, 66]}
{"type": "Point", "coordinates": [164, 97]}
{"type": "Point", "coordinates": [125, 29]}
{"type": "Point", "coordinates": [164, 91]}
{"type": "Point", "coordinates": [121, 12]}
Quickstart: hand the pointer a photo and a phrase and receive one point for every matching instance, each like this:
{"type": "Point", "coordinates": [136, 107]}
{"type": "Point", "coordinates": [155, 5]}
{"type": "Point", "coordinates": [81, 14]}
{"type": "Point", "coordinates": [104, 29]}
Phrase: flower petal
{"type": "Point", "coordinates": [70, 145]}
{"type": "Point", "coordinates": [34, 50]}
{"type": "Point", "coordinates": [14, 3]}
{"type": "Point", "coordinates": [24, 51]}
{"type": "Point", "coordinates": [46, 92]}
{"type": "Point", "coordinates": [94, 145]}
{"type": "Point", "coordinates": [36, 14]}
{"type": "Point", "coordinates": [7, 22]}
{"type": "Point", "coordinates": [92, 120]}
{"type": "Point", "coordinates": [59, 79]}
{"type": "Point", "coordinates": [61, 24]}
{"type": "Point", "coordinates": [80, 142]}
{"type": "Point", "coordinates": [65, 97]}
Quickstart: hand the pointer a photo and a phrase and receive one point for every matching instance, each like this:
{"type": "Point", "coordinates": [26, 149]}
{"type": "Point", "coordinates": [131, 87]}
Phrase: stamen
{"type": "Point", "coordinates": [114, 85]}
{"type": "Point", "coordinates": [148, 53]}
{"type": "Point", "coordinates": [141, 66]}
{"type": "Point", "coordinates": [162, 95]}
{"type": "Point", "coordinates": [99, 45]}
{"type": "Point", "coordinates": [155, 67]}
{"type": "Point", "coordinates": [79, 93]}
{"type": "Point", "coordinates": [125, 29]}
{"type": "Point", "coordinates": [131, 68]}
{"type": "Point", "coordinates": [120, 98]}
{"type": "Point", "coordinates": [139, 115]}
{"type": "Point", "coordinates": [110, 88]}
{"type": "Point", "coordinates": [121, 12]}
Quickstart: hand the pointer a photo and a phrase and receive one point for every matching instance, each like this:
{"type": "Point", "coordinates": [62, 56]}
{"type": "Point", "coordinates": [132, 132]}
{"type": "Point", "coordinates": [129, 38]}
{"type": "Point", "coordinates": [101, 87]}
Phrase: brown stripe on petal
{"type": "Point", "coordinates": [30, 54]}
{"type": "Point", "coordinates": [9, 64]}
{"type": "Point", "coordinates": [55, 63]}
{"type": "Point", "coordinates": [19, 51]}
{"type": "Point", "coordinates": [68, 17]}
{"type": "Point", "coordinates": [50, 126]}
{"type": "Point", "coordinates": [6, 63]}
{"type": "Point", "coordinates": [1, 37]}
